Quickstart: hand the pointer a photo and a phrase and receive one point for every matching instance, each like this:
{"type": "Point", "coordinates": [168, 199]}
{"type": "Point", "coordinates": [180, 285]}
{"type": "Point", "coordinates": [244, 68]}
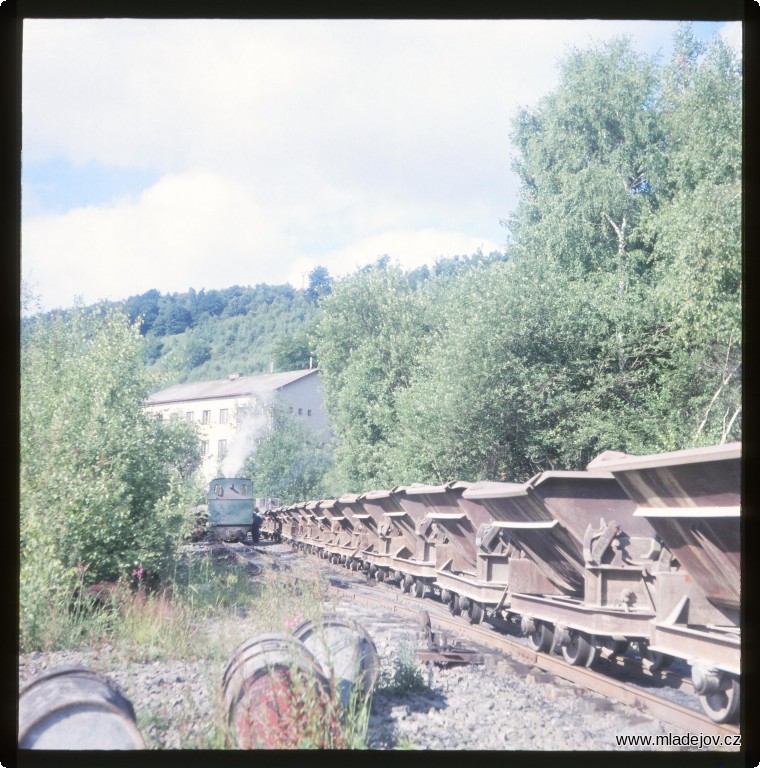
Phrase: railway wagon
{"type": "Point", "coordinates": [636, 548]}
{"type": "Point", "coordinates": [691, 498]}
{"type": "Point", "coordinates": [581, 569]}
{"type": "Point", "coordinates": [290, 521]}
{"type": "Point", "coordinates": [271, 526]}
{"type": "Point", "coordinates": [230, 508]}
{"type": "Point", "coordinates": [472, 553]}
{"type": "Point", "coordinates": [365, 537]}
{"type": "Point", "coordinates": [342, 543]}
{"type": "Point", "coordinates": [317, 528]}
{"type": "Point", "coordinates": [383, 508]}
{"type": "Point", "coordinates": [424, 507]}
{"type": "Point", "coordinates": [304, 525]}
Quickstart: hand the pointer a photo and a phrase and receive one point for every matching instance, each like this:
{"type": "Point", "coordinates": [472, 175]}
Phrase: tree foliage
{"type": "Point", "coordinates": [613, 324]}
{"type": "Point", "coordinates": [290, 463]}
{"type": "Point", "coordinates": [293, 352]}
{"type": "Point", "coordinates": [320, 283]}
{"type": "Point", "coordinates": [102, 484]}
{"type": "Point", "coordinates": [695, 236]}
{"type": "Point", "coordinates": [369, 337]}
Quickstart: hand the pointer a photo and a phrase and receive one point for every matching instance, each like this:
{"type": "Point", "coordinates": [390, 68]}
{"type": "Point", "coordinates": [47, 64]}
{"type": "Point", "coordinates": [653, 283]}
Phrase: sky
{"type": "Point", "coordinates": [198, 154]}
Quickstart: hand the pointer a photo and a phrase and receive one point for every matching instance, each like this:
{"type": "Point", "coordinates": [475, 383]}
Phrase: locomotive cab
{"type": "Point", "coordinates": [230, 508]}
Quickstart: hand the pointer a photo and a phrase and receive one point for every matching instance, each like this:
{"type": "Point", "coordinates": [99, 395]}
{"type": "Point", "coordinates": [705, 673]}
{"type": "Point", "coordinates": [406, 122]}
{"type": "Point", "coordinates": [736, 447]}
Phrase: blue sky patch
{"type": "Point", "coordinates": [57, 186]}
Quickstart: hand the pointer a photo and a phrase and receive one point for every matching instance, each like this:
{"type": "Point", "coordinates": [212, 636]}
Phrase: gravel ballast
{"type": "Point", "coordinates": [496, 706]}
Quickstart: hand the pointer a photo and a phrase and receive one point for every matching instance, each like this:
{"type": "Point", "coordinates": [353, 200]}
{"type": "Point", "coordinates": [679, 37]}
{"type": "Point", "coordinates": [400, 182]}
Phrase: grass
{"type": "Point", "coordinates": [214, 605]}
{"type": "Point", "coordinates": [406, 678]}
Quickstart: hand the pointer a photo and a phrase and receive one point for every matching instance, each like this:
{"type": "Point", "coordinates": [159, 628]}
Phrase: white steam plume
{"type": "Point", "coordinates": [252, 426]}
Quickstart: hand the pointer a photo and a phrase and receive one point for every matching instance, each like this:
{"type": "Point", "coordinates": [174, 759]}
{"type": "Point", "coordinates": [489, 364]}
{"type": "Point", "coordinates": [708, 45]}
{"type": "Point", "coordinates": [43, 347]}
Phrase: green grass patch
{"type": "Point", "coordinates": [210, 606]}
{"type": "Point", "coordinates": [407, 677]}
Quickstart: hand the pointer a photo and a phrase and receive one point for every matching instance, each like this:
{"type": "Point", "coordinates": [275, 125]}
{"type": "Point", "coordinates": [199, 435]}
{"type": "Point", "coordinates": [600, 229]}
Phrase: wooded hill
{"type": "Point", "coordinates": [208, 334]}
{"type": "Point", "coordinates": [202, 335]}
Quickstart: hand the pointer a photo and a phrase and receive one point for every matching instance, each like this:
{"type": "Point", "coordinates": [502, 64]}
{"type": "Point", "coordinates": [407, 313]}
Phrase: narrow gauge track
{"type": "Point", "coordinates": [492, 636]}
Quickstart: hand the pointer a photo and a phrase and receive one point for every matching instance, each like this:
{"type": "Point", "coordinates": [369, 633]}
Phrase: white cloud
{"type": "Point", "coordinates": [202, 230]}
{"type": "Point", "coordinates": [732, 36]}
{"type": "Point", "coordinates": [279, 144]}
{"type": "Point", "coordinates": [191, 230]}
{"type": "Point", "coordinates": [256, 95]}
{"type": "Point", "coordinates": [410, 249]}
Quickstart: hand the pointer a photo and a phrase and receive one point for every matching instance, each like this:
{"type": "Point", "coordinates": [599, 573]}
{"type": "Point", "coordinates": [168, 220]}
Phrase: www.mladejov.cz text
{"type": "Point", "coordinates": [699, 740]}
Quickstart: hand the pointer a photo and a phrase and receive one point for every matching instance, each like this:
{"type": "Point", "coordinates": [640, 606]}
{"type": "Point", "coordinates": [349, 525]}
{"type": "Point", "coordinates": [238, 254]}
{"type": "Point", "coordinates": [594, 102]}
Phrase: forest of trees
{"type": "Point", "coordinates": [615, 323]}
{"type": "Point", "coordinates": [208, 334]}
{"type": "Point", "coordinates": [611, 321]}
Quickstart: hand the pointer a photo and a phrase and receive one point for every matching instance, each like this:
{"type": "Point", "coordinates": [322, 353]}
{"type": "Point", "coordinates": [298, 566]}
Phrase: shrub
{"type": "Point", "coordinates": [104, 487]}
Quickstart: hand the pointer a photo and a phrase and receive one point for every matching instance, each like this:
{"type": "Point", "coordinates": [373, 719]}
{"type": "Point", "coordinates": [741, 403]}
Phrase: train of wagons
{"type": "Point", "coordinates": [639, 552]}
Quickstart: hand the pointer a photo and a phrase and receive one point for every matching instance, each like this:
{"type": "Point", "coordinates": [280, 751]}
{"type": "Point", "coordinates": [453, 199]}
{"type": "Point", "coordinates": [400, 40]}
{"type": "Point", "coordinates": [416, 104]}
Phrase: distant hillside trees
{"type": "Point", "coordinates": [208, 334]}
{"type": "Point", "coordinates": [293, 352]}
{"type": "Point", "coordinates": [320, 283]}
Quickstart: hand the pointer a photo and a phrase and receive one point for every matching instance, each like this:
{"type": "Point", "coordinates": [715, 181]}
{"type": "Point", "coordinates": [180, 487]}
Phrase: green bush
{"type": "Point", "coordinates": [105, 489]}
{"type": "Point", "coordinates": [407, 677]}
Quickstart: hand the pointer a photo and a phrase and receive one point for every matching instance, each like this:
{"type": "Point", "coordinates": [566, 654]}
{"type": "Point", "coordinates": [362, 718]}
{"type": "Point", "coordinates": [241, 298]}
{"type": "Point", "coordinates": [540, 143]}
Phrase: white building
{"type": "Point", "coordinates": [233, 413]}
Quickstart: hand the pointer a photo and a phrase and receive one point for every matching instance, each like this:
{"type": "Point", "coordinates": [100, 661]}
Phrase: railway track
{"type": "Point", "coordinates": [493, 635]}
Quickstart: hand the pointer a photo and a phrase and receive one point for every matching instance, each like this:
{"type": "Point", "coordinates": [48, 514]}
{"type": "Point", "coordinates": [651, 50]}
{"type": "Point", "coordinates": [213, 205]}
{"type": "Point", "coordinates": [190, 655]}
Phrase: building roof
{"type": "Point", "coordinates": [242, 386]}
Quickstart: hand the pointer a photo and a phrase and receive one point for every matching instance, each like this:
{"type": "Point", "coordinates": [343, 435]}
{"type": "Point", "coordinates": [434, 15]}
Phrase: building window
{"type": "Point", "coordinates": [204, 447]}
{"type": "Point", "coordinates": [189, 416]}
{"type": "Point", "coordinates": [244, 412]}
{"type": "Point", "coordinates": [206, 418]}
{"type": "Point", "coordinates": [222, 448]}
{"type": "Point", "coordinates": [308, 413]}
{"type": "Point", "coordinates": [290, 409]}
{"type": "Point", "coordinates": [222, 415]}
{"type": "Point", "coordinates": [300, 411]}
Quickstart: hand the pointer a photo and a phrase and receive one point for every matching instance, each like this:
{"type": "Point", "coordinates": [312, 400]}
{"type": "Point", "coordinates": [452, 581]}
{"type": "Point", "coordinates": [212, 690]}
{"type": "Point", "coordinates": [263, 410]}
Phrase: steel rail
{"type": "Point", "coordinates": [669, 712]}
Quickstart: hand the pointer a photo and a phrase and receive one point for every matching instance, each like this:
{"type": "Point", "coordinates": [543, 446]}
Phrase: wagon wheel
{"type": "Point", "coordinates": [579, 652]}
{"type": "Point", "coordinates": [542, 638]}
{"type": "Point", "coordinates": [418, 588]}
{"type": "Point", "coordinates": [407, 583]}
{"type": "Point", "coordinates": [354, 565]}
{"type": "Point", "coordinates": [455, 606]}
{"type": "Point", "coordinates": [659, 660]}
{"type": "Point", "coordinates": [722, 706]}
{"type": "Point", "coordinates": [475, 612]}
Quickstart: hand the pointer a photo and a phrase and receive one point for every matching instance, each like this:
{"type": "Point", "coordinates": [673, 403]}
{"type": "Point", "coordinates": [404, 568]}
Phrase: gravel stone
{"type": "Point", "coordinates": [502, 706]}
